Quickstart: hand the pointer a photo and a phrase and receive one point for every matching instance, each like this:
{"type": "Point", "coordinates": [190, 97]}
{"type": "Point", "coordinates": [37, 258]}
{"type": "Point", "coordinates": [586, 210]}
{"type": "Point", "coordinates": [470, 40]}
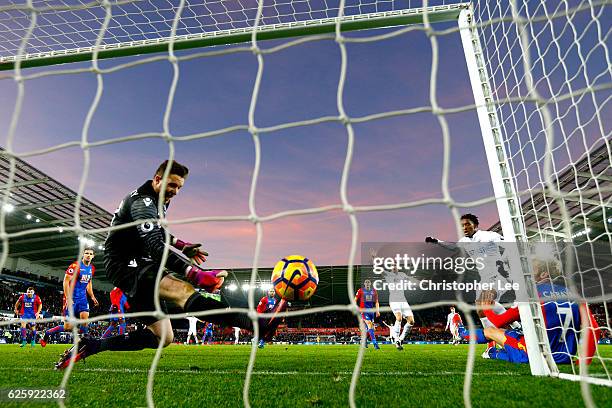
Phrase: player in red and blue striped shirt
{"type": "Point", "coordinates": [28, 306]}
{"type": "Point", "coordinates": [208, 333]}
{"type": "Point", "coordinates": [78, 284]}
{"type": "Point", "coordinates": [367, 298]}
{"type": "Point", "coordinates": [266, 305]}
{"type": "Point", "coordinates": [119, 305]}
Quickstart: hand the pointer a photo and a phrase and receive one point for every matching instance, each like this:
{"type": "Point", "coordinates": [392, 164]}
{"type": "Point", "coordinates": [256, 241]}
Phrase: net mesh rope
{"type": "Point", "coordinates": [541, 101]}
{"type": "Point", "coordinates": [65, 25]}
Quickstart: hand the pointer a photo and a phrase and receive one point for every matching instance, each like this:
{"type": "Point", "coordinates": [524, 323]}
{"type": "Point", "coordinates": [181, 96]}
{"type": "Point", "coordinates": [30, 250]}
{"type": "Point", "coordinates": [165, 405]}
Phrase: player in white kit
{"type": "Point", "coordinates": [399, 306]}
{"type": "Point", "coordinates": [480, 244]}
{"type": "Point", "coordinates": [398, 303]}
{"type": "Point", "coordinates": [193, 321]}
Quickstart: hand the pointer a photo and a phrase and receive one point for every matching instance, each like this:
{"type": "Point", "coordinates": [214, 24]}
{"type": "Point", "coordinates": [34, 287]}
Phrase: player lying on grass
{"type": "Point", "coordinates": [28, 306]}
{"type": "Point", "coordinates": [77, 285]}
{"type": "Point", "coordinates": [133, 256]}
{"type": "Point", "coordinates": [563, 323]}
{"type": "Point", "coordinates": [367, 298]}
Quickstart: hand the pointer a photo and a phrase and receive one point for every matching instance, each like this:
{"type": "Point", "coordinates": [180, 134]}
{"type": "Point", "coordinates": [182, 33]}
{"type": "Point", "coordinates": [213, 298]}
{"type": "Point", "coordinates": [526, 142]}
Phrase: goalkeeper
{"type": "Point", "coordinates": [133, 255]}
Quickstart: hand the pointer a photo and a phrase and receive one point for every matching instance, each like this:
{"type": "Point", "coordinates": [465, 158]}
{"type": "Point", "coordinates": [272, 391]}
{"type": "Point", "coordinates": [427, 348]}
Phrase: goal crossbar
{"type": "Point", "coordinates": [387, 19]}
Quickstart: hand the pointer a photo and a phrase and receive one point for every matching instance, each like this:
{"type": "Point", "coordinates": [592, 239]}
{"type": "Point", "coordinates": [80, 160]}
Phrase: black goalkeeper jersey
{"type": "Point", "coordinates": [142, 243]}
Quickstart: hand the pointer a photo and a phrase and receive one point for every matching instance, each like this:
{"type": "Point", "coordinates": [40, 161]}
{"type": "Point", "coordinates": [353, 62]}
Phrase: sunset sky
{"type": "Point", "coordinates": [395, 160]}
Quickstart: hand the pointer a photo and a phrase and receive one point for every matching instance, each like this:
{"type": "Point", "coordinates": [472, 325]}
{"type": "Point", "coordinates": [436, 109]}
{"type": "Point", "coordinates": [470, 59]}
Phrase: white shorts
{"type": "Point", "coordinates": [401, 307]}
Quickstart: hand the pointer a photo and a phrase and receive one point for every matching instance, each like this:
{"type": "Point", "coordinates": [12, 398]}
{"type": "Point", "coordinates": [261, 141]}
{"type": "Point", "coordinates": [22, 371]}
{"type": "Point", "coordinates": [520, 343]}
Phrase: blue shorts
{"type": "Point", "coordinates": [368, 316]}
{"type": "Point", "coordinates": [115, 310]}
{"type": "Point", "coordinates": [29, 316]}
{"type": "Point", "coordinates": [514, 351]}
{"type": "Point", "coordinates": [79, 306]}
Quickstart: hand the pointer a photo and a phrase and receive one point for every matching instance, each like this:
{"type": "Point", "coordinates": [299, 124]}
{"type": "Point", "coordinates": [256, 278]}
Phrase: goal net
{"type": "Point", "coordinates": [549, 77]}
{"type": "Point", "coordinates": [539, 75]}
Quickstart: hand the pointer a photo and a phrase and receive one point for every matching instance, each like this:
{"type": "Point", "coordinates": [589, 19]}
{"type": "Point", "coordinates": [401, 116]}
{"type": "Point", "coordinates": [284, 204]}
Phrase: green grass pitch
{"type": "Point", "coordinates": [292, 376]}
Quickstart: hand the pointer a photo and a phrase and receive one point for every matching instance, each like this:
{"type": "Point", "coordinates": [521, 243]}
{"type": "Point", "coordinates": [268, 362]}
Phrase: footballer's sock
{"type": "Point", "coordinates": [122, 328]}
{"type": "Point", "coordinates": [498, 308]}
{"type": "Point", "coordinates": [479, 333]}
{"type": "Point", "coordinates": [406, 330]}
{"type": "Point", "coordinates": [199, 303]}
{"type": "Point", "coordinates": [83, 329]}
{"type": "Point", "coordinates": [34, 333]}
{"type": "Point", "coordinates": [397, 328]}
{"type": "Point", "coordinates": [136, 340]}
{"type": "Point", "coordinates": [109, 331]}
{"type": "Point", "coordinates": [24, 334]}
{"type": "Point", "coordinates": [372, 336]}
{"type": "Point", "coordinates": [486, 322]}
{"type": "Point", "coordinates": [55, 329]}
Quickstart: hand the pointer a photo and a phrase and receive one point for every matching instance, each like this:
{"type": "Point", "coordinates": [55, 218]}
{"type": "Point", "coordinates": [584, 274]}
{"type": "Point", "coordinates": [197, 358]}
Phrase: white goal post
{"type": "Point", "coordinates": [523, 101]}
{"type": "Point", "coordinates": [507, 200]}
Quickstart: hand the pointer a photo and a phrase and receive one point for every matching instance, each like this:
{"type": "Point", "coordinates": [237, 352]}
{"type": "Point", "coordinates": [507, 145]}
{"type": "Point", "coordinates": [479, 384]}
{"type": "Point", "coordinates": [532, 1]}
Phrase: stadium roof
{"type": "Point", "coordinates": [589, 181]}
{"type": "Point", "coordinates": [39, 201]}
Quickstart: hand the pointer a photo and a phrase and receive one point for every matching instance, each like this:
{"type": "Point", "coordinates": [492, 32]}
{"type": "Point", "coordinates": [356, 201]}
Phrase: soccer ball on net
{"type": "Point", "coordinates": [295, 278]}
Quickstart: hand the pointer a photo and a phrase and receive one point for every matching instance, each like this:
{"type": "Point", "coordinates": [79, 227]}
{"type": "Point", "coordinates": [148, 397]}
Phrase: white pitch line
{"type": "Point", "coordinates": [234, 372]}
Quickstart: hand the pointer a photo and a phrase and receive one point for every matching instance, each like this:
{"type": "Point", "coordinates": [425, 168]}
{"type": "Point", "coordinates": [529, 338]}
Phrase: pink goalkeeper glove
{"type": "Point", "coordinates": [210, 281]}
{"type": "Point", "coordinates": [191, 251]}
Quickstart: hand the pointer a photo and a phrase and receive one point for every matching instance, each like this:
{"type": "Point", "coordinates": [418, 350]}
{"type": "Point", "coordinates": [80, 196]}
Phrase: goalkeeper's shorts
{"type": "Point", "coordinates": [138, 284]}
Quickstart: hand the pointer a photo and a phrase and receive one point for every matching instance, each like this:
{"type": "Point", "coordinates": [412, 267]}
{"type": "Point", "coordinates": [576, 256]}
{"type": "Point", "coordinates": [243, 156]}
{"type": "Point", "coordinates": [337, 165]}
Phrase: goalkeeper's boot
{"type": "Point", "coordinates": [43, 341]}
{"type": "Point", "coordinates": [398, 345]}
{"type": "Point", "coordinates": [210, 281]}
{"type": "Point", "coordinates": [86, 346]}
{"type": "Point", "coordinates": [269, 325]}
